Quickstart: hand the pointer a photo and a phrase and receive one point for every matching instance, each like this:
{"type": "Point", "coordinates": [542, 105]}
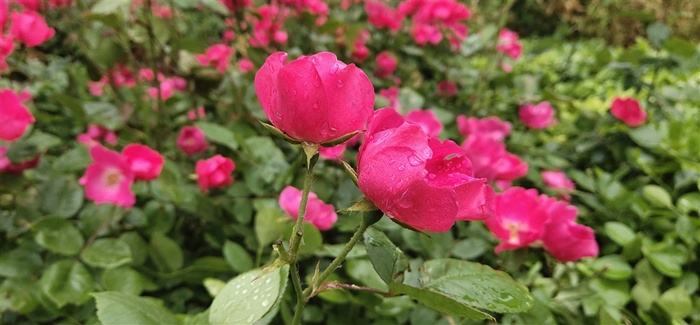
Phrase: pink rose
{"type": "Point", "coordinates": [386, 64]}
{"type": "Point", "coordinates": [214, 172]}
{"type": "Point", "coordinates": [392, 95]}
{"type": "Point", "coordinates": [629, 111]}
{"type": "Point", "coordinates": [382, 16]}
{"type": "Point", "coordinates": [15, 118]}
{"type": "Point", "coordinates": [418, 180]}
{"type": "Point", "coordinates": [537, 116]}
{"type": "Point", "coordinates": [97, 133]}
{"type": "Point", "coordinates": [427, 121]}
{"type": "Point", "coordinates": [489, 127]}
{"type": "Point", "coordinates": [333, 153]}
{"type": "Point", "coordinates": [245, 65]}
{"type": "Point", "coordinates": [446, 89]}
{"type": "Point", "coordinates": [9, 167]}
{"type": "Point", "coordinates": [559, 182]}
{"type": "Point", "coordinates": [4, 13]}
{"type": "Point", "coordinates": [491, 160]}
{"type": "Point", "coordinates": [7, 45]}
{"type": "Point", "coordinates": [217, 55]}
{"type": "Point", "coordinates": [518, 218]}
{"type": "Point", "coordinates": [508, 43]}
{"type": "Point", "coordinates": [318, 213]}
{"type": "Point", "coordinates": [360, 51]}
{"type": "Point", "coordinates": [315, 98]}
{"type": "Point", "coordinates": [30, 28]}
{"type": "Point", "coordinates": [563, 238]}
{"type": "Point", "coordinates": [145, 163]}
{"type": "Point", "coordinates": [108, 178]}
{"type": "Point", "coordinates": [236, 5]}
{"type": "Point", "coordinates": [192, 140]}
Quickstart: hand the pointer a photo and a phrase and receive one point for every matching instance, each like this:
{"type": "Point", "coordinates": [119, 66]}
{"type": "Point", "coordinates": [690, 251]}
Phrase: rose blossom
{"type": "Point", "coordinates": [559, 182]}
{"type": "Point", "coordinates": [214, 172]}
{"type": "Point", "coordinates": [108, 178]}
{"type": "Point", "coordinates": [508, 43]}
{"type": "Point", "coordinates": [318, 213]}
{"type": "Point", "coordinates": [315, 98]}
{"type": "Point", "coordinates": [537, 116]}
{"type": "Point", "coordinates": [9, 167]}
{"type": "Point", "coordinates": [446, 89]}
{"type": "Point", "coordinates": [563, 238]}
{"type": "Point", "coordinates": [427, 121]}
{"type": "Point", "coordinates": [15, 118]}
{"type": "Point", "coordinates": [518, 218]}
{"type": "Point", "coordinates": [491, 127]}
{"type": "Point", "coordinates": [491, 160]}
{"type": "Point", "coordinates": [145, 163]}
{"type": "Point", "coordinates": [629, 111]}
{"type": "Point", "coordinates": [30, 28]}
{"type": "Point", "coordinates": [192, 140]}
{"type": "Point", "coordinates": [386, 64]}
{"type": "Point", "coordinates": [332, 153]}
{"type": "Point", "coordinates": [217, 55]}
{"type": "Point", "coordinates": [418, 180]}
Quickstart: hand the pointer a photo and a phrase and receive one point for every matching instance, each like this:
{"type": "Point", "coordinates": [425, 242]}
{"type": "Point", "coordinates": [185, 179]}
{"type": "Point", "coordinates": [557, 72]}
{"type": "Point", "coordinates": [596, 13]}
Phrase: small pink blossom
{"type": "Point", "coordinates": [332, 153]}
{"type": "Point", "coordinates": [15, 118]}
{"type": "Point", "coordinates": [214, 172]}
{"type": "Point", "coordinates": [360, 51]}
{"type": "Point", "coordinates": [386, 64]}
{"type": "Point", "coordinates": [381, 15]}
{"type": "Point", "coordinates": [30, 28]}
{"type": "Point", "coordinates": [318, 213]}
{"type": "Point", "coordinates": [236, 5]}
{"type": "Point", "coordinates": [197, 113]}
{"type": "Point", "coordinates": [628, 110]}
{"type": "Point", "coordinates": [9, 167]}
{"type": "Point", "coordinates": [446, 89]}
{"type": "Point", "coordinates": [490, 159]}
{"type": "Point", "coordinates": [145, 163]}
{"type": "Point", "coordinates": [217, 55]}
{"type": "Point", "coordinates": [192, 140]}
{"type": "Point", "coordinates": [566, 240]}
{"type": "Point", "coordinates": [518, 219]}
{"type": "Point", "coordinates": [427, 121]}
{"type": "Point", "coordinates": [508, 43]}
{"type": "Point", "coordinates": [108, 178]}
{"type": "Point", "coordinates": [392, 95]}
{"type": "Point", "coordinates": [537, 116]}
{"type": "Point", "coordinates": [490, 127]}
{"type": "Point", "coordinates": [96, 134]}
{"type": "Point", "coordinates": [246, 65]}
{"type": "Point", "coordinates": [559, 182]}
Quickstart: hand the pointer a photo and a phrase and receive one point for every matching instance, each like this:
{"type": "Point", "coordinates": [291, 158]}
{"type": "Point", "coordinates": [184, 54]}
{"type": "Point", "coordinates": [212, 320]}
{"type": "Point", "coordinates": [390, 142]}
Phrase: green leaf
{"type": "Point", "coordinates": [313, 240]}
{"type": "Point", "coordinates": [123, 279]}
{"type": "Point", "coordinates": [645, 136]}
{"type": "Point", "coordinates": [612, 267]}
{"type": "Point", "coordinates": [237, 257]}
{"type": "Point", "coordinates": [475, 285]}
{"type": "Point", "coordinates": [105, 114]}
{"type": "Point", "coordinates": [18, 295]}
{"type": "Point", "coordinates": [619, 233]}
{"type": "Point", "coordinates": [667, 259]}
{"type": "Point", "coordinates": [249, 297]}
{"type": "Point", "coordinates": [110, 6]}
{"type": "Point", "coordinates": [680, 47]}
{"type": "Point", "coordinates": [363, 271]}
{"type": "Point", "coordinates": [270, 225]}
{"type": "Point", "coordinates": [20, 262]}
{"type": "Point", "coordinates": [120, 308]}
{"type": "Point", "coordinates": [439, 302]}
{"type": "Point", "coordinates": [107, 253]}
{"type": "Point", "coordinates": [269, 162]}
{"type": "Point", "coordinates": [677, 302]}
{"type": "Point", "coordinates": [217, 6]}
{"type": "Point", "coordinates": [213, 286]}
{"type": "Point", "coordinates": [67, 282]}
{"type": "Point", "coordinates": [470, 248]}
{"type": "Point", "coordinates": [657, 196]}
{"type": "Point", "coordinates": [387, 259]}
{"type": "Point", "coordinates": [614, 293]}
{"type": "Point", "coordinates": [61, 196]}
{"type": "Point", "coordinates": [658, 33]}
{"type": "Point", "coordinates": [689, 202]}
{"type": "Point", "coordinates": [58, 235]}
{"type": "Point", "coordinates": [644, 295]}
{"type": "Point", "coordinates": [137, 246]}
{"type": "Point", "coordinates": [26, 149]}
{"type": "Point", "coordinates": [165, 253]}
{"type": "Point", "coordinates": [218, 134]}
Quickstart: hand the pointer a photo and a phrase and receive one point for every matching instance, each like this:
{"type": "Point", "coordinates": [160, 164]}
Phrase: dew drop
{"type": "Point", "coordinates": [245, 291]}
{"type": "Point", "coordinates": [333, 69]}
{"type": "Point", "coordinates": [340, 83]}
{"type": "Point", "coordinates": [250, 318]}
{"type": "Point", "coordinates": [432, 176]}
{"type": "Point", "coordinates": [401, 168]}
{"type": "Point", "coordinates": [268, 280]}
{"type": "Point", "coordinates": [255, 297]}
{"type": "Point", "coordinates": [265, 303]}
{"type": "Point", "coordinates": [334, 130]}
{"type": "Point", "coordinates": [393, 177]}
{"type": "Point", "coordinates": [414, 160]}
{"type": "Point", "coordinates": [391, 162]}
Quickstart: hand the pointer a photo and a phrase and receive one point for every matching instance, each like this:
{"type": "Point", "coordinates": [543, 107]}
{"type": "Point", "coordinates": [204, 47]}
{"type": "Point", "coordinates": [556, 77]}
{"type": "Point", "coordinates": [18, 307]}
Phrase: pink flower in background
{"type": "Point", "coordinates": [228, 36]}
{"type": "Point", "coordinates": [628, 110]}
{"type": "Point", "coordinates": [246, 65]}
{"type": "Point", "coordinates": [236, 5]}
{"type": "Point", "coordinates": [4, 14]}
{"type": "Point", "coordinates": [192, 140]}
{"type": "Point", "coordinates": [108, 178]}
{"type": "Point", "coordinates": [446, 89]}
{"type": "Point", "coordinates": [145, 163]}
{"type": "Point", "coordinates": [537, 116]}
{"type": "Point", "coordinates": [318, 213]}
{"type": "Point", "coordinates": [518, 218]}
{"type": "Point", "coordinates": [424, 34]}
{"type": "Point", "coordinates": [7, 46]}
{"type": "Point", "coordinates": [559, 182]}
{"type": "Point", "coordinates": [146, 75]}
{"type": "Point", "coordinates": [197, 113]}
{"type": "Point", "coordinates": [566, 240]}
{"type": "Point", "coordinates": [490, 159]}
{"type": "Point", "coordinates": [360, 51]}
{"type": "Point", "coordinates": [268, 27]}
{"type": "Point", "coordinates": [427, 121]}
{"type": "Point", "coordinates": [382, 16]}
{"type": "Point", "coordinates": [433, 20]}
{"type": "Point", "coordinates": [217, 55]}
{"type": "Point", "coordinates": [508, 43]}
{"type": "Point", "coordinates": [417, 180]}
{"type": "Point", "coordinates": [392, 95]}
{"type": "Point", "coordinates": [96, 88]}
{"type": "Point", "coordinates": [332, 153]}
{"type": "Point", "coordinates": [314, 98]}
{"type": "Point", "coordinates": [97, 133]}
{"type": "Point", "coordinates": [33, 5]}
{"type": "Point", "coordinates": [490, 127]}
{"type": "Point", "coordinates": [386, 64]}
{"type": "Point", "coordinates": [15, 118]}
{"type": "Point", "coordinates": [214, 172]}
{"type": "Point", "coordinates": [30, 28]}
{"type": "Point", "coordinates": [9, 167]}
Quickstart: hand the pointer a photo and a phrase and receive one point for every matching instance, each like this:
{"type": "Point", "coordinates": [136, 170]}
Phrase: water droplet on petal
{"type": "Point", "coordinates": [333, 69]}
{"type": "Point", "coordinates": [432, 176]}
{"type": "Point", "coordinates": [340, 83]}
{"type": "Point", "coordinates": [334, 130]}
{"type": "Point", "coordinates": [391, 162]}
{"type": "Point", "coordinates": [414, 160]}
{"type": "Point", "coordinates": [401, 168]}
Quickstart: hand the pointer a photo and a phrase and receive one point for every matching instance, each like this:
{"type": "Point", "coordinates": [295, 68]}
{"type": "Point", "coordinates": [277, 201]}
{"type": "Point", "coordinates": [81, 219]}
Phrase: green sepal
{"type": "Point", "coordinates": [340, 139]}
{"type": "Point", "coordinates": [351, 172]}
{"type": "Point", "coordinates": [363, 205]}
{"type": "Point", "coordinates": [278, 133]}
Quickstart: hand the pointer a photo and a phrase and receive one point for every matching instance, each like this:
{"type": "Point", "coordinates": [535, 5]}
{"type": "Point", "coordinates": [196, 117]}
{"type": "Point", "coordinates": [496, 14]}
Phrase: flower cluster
{"type": "Point", "coordinates": [26, 26]}
{"type": "Point", "coordinates": [523, 218]}
{"type": "Point", "coordinates": [559, 182]}
{"type": "Point", "coordinates": [433, 20]}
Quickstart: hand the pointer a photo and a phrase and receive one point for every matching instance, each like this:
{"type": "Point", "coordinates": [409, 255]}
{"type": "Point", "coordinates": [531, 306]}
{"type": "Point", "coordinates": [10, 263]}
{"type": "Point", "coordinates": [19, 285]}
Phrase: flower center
{"type": "Point", "coordinates": [112, 178]}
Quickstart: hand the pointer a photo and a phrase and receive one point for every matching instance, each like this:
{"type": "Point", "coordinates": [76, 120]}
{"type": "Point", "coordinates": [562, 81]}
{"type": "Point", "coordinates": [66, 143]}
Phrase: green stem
{"type": "Point", "coordinates": [154, 68]}
{"type": "Point", "coordinates": [310, 291]}
{"type": "Point", "coordinates": [298, 233]}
